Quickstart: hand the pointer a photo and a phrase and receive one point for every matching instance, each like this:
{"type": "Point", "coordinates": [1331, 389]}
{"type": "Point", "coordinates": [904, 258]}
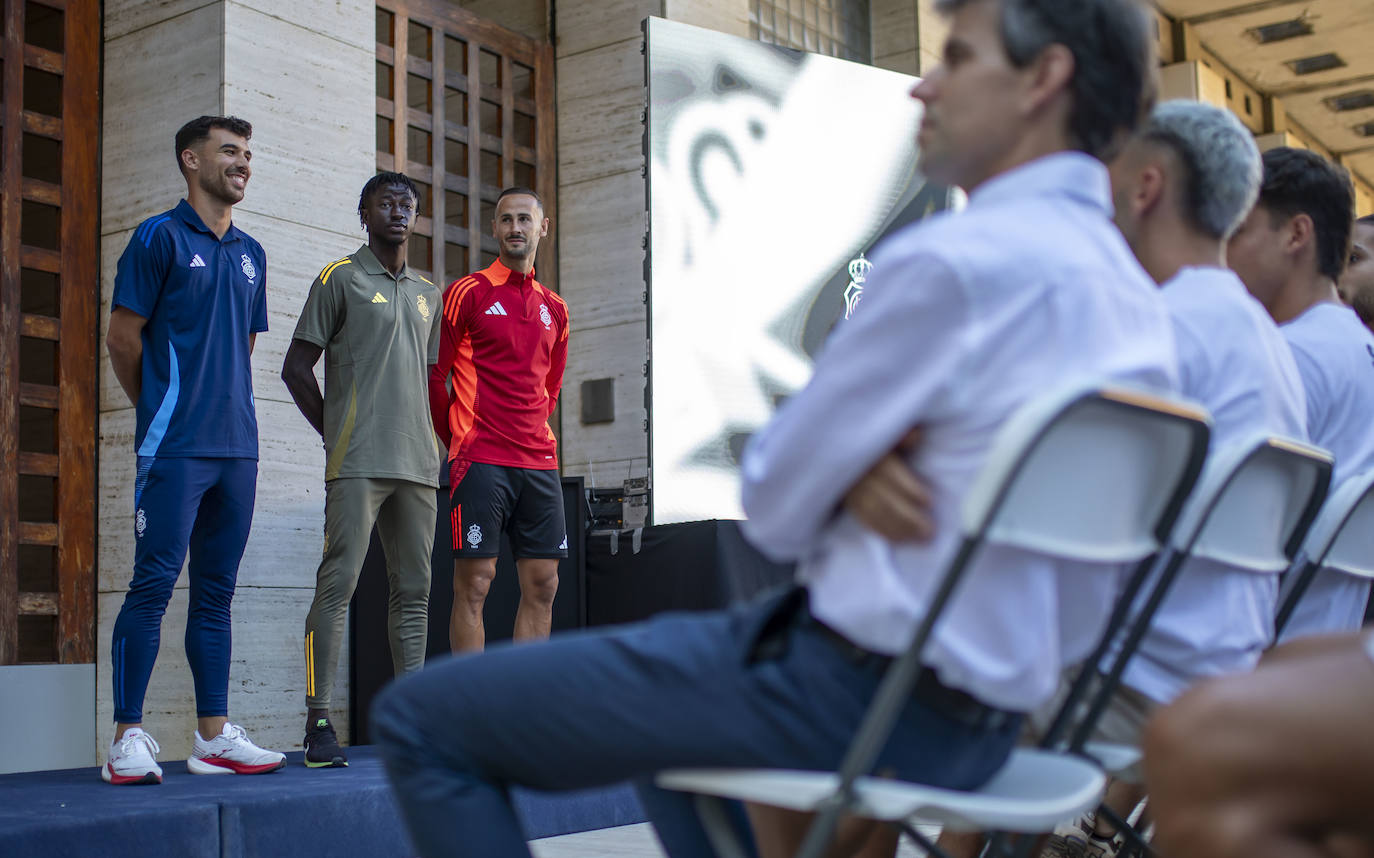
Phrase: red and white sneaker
{"type": "Point", "coordinates": [231, 753]}
{"type": "Point", "coordinates": [133, 760]}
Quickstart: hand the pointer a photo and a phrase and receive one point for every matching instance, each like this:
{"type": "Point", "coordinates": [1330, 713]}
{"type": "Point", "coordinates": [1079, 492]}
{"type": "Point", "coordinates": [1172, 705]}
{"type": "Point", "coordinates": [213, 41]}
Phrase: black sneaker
{"type": "Point", "coordinates": [322, 749]}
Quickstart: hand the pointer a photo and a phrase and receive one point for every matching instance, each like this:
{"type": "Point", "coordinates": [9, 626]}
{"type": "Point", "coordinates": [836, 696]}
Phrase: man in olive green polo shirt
{"type": "Point", "coordinates": [377, 324]}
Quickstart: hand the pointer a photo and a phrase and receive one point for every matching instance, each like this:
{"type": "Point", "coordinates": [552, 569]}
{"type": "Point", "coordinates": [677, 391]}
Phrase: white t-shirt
{"type": "Point", "coordinates": [965, 317]}
{"type": "Point", "coordinates": [1335, 355]}
{"type": "Point", "coordinates": [1217, 619]}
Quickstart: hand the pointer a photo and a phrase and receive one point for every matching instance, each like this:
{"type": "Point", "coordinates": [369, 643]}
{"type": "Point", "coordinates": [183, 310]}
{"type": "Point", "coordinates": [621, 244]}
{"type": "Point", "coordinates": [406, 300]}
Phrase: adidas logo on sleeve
{"type": "Point", "coordinates": [497, 310]}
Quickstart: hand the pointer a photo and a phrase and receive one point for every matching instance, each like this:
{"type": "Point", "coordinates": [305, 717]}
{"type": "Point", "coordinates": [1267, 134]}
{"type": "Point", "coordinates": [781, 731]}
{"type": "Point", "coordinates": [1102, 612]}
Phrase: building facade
{"type": "Point", "coordinates": [466, 97]}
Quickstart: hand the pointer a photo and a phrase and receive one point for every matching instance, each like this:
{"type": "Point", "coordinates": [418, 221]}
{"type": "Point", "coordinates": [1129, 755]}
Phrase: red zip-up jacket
{"type": "Point", "coordinates": [502, 349]}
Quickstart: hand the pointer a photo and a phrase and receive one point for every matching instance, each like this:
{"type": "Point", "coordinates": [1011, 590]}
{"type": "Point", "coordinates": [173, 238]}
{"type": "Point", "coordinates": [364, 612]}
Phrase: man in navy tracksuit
{"type": "Point", "coordinates": [190, 297]}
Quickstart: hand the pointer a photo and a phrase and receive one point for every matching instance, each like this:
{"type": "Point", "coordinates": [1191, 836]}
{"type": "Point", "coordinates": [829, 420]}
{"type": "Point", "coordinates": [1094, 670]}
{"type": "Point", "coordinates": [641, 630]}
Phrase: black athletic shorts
{"type": "Point", "coordinates": [485, 500]}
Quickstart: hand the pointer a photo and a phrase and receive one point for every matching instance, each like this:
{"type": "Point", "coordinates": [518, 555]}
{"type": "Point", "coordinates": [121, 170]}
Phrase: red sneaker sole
{"type": "Point", "coordinates": [129, 780]}
{"type": "Point", "coordinates": [241, 768]}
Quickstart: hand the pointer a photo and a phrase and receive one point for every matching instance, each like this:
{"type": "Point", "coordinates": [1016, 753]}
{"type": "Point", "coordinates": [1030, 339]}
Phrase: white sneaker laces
{"type": "Point", "coordinates": [130, 741]}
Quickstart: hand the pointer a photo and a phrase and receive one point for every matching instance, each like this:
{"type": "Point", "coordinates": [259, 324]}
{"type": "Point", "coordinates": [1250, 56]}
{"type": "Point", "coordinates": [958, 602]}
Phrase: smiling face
{"type": "Point", "coordinates": [971, 101]}
{"type": "Point", "coordinates": [219, 165]}
{"type": "Point", "coordinates": [389, 214]}
{"type": "Point", "coordinates": [518, 226]}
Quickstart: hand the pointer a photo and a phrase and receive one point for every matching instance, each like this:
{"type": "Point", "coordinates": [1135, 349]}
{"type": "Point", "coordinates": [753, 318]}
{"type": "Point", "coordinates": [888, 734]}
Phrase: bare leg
{"type": "Point", "coordinates": [961, 844]}
{"type": "Point", "coordinates": [1279, 762]}
{"type": "Point", "coordinates": [778, 833]}
{"type": "Point", "coordinates": [471, 582]}
{"type": "Point", "coordinates": [538, 586]}
{"type": "Point", "coordinates": [211, 727]}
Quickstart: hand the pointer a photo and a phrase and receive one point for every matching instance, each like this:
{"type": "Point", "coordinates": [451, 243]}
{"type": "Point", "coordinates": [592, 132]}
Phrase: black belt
{"type": "Point", "coordinates": [929, 690]}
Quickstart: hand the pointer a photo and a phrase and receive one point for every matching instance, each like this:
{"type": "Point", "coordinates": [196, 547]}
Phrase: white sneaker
{"type": "Point", "coordinates": [231, 753]}
{"type": "Point", "coordinates": [133, 760]}
{"type": "Point", "coordinates": [1079, 839]}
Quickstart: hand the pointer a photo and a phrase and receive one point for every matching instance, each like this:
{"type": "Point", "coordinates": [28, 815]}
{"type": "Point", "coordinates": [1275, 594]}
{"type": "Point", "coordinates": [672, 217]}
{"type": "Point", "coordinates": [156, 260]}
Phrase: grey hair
{"type": "Point", "coordinates": [1221, 163]}
{"type": "Point", "coordinates": [1113, 83]}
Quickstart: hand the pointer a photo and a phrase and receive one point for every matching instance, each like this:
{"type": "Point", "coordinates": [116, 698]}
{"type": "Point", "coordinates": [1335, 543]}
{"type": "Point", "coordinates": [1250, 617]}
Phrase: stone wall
{"type": "Point", "coordinates": [306, 84]}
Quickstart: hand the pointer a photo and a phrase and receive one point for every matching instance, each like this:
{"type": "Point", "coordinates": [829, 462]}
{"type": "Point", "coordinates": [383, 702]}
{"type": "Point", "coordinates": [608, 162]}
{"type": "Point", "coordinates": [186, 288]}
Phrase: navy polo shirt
{"type": "Point", "coordinates": [202, 297]}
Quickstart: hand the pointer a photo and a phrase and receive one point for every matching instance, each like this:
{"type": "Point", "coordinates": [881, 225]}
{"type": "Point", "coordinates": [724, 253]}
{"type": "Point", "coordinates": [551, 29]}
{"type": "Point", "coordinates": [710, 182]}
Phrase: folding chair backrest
{"type": "Point", "coordinates": [1342, 537]}
{"type": "Point", "coordinates": [1254, 503]}
{"type": "Point", "coordinates": [1053, 467]}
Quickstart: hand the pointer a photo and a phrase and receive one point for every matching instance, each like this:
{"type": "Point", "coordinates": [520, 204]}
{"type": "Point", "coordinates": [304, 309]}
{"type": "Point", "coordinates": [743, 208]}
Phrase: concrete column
{"type": "Point", "coordinates": [306, 83]}
{"type": "Point", "coordinates": [599, 225]}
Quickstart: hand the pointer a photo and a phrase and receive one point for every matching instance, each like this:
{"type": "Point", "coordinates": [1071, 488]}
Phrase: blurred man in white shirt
{"type": "Point", "coordinates": [1181, 188]}
{"type": "Point", "coordinates": [1290, 252]}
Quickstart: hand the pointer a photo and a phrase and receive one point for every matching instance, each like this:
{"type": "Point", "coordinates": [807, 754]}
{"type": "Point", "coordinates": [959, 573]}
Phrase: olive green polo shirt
{"type": "Point", "coordinates": [379, 334]}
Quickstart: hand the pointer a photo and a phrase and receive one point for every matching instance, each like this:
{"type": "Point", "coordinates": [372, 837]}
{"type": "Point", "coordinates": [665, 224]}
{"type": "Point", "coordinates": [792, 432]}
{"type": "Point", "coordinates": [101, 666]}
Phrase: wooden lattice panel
{"type": "Point", "coordinates": [49, 297]}
{"type": "Point", "coordinates": [465, 108]}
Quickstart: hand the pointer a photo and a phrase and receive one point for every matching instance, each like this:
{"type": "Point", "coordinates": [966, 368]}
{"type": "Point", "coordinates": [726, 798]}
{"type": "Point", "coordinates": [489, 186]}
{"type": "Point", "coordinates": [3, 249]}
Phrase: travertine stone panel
{"type": "Point", "coordinates": [115, 503]}
{"type": "Point", "coordinates": [266, 674]}
{"type": "Point", "coordinates": [311, 99]}
{"type": "Point", "coordinates": [351, 22]}
{"type": "Point", "coordinates": [600, 253]}
{"type": "Point", "coordinates": [288, 519]}
{"type": "Point", "coordinates": [723, 16]}
{"type": "Point", "coordinates": [584, 26]}
{"type": "Point", "coordinates": [894, 28]}
{"type": "Point", "coordinates": [125, 16]}
{"type": "Point", "coordinates": [142, 113]}
{"type": "Point", "coordinates": [906, 62]}
{"type": "Point", "coordinates": [529, 17]}
{"type": "Point", "coordinates": [302, 73]}
{"type": "Point", "coordinates": [615, 352]}
{"type": "Point", "coordinates": [600, 97]}
{"type": "Point", "coordinates": [932, 29]}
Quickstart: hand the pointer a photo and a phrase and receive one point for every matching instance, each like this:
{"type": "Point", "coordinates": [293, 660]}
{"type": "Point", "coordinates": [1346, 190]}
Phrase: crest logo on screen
{"type": "Point", "coordinates": [858, 273]}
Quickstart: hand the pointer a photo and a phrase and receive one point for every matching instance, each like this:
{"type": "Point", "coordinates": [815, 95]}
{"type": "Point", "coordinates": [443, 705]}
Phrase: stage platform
{"type": "Point", "coordinates": [297, 812]}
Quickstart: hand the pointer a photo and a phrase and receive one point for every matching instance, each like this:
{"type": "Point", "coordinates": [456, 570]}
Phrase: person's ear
{"type": "Point", "coordinates": [1298, 232]}
{"type": "Point", "coordinates": [1049, 75]}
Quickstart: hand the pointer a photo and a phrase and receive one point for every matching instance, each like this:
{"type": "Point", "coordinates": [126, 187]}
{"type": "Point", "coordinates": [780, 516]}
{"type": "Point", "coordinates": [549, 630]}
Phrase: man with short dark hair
{"type": "Point", "coordinates": [1182, 187]}
{"type": "Point", "coordinates": [966, 318]}
{"type": "Point", "coordinates": [1356, 285]}
{"type": "Point", "coordinates": [377, 323]}
{"type": "Point", "coordinates": [1290, 252]}
{"type": "Point", "coordinates": [501, 358]}
{"type": "Point", "coordinates": [190, 298]}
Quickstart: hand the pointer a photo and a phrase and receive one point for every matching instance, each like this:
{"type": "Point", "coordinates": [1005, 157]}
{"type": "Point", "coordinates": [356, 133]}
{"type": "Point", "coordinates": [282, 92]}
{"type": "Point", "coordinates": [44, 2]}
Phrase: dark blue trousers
{"type": "Point", "coordinates": [205, 505]}
{"type": "Point", "coordinates": [751, 687]}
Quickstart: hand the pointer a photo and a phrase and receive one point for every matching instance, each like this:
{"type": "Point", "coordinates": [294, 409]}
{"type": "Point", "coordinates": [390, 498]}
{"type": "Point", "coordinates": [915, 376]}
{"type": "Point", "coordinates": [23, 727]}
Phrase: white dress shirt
{"type": "Point", "coordinates": [1217, 618]}
{"type": "Point", "coordinates": [964, 318]}
{"type": "Point", "coordinates": [1335, 355]}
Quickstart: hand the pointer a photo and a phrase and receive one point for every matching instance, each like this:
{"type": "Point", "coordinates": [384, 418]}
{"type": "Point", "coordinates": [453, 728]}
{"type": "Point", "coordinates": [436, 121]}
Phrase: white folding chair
{"type": "Point", "coordinates": [1255, 502]}
{"type": "Point", "coordinates": [1091, 473]}
{"type": "Point", "coordinates": [1341, 539]}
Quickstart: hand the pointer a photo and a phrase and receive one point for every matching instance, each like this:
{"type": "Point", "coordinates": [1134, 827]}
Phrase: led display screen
{"type": "Point", "coordinates": [770, 173]}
